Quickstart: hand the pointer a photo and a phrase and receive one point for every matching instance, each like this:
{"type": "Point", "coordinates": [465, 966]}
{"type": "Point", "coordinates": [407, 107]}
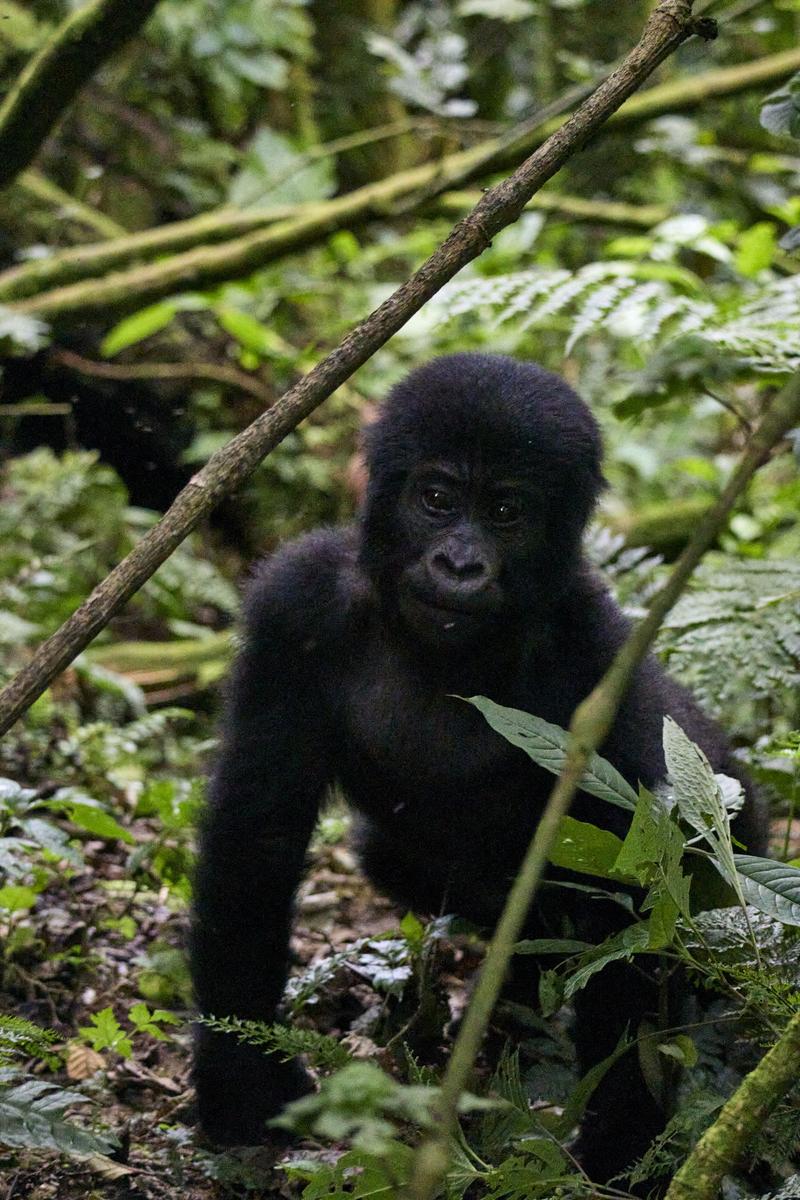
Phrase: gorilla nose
{"type": "Point", "coordinates": [459, 568]}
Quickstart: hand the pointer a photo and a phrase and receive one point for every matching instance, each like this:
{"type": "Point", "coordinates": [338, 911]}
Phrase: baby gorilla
{"type": "Point", "coordinates": [463, 576]}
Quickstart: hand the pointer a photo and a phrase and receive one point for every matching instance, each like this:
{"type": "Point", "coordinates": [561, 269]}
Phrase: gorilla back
{"type": "Point", "coordinates": [464, 576]}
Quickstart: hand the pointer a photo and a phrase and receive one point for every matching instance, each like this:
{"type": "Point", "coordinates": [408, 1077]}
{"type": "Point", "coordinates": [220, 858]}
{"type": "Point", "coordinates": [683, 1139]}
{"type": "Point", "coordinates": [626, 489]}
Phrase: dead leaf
{"type": "Point", "coordinates": [83, 1061]}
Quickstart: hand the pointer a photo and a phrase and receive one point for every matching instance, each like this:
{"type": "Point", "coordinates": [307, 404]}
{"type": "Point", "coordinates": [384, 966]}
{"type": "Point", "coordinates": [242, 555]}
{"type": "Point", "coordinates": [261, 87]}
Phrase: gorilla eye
{"type": "Point", "coordinates": [505, 511]}
{"type": "Point", "coordinates": [438, 501]}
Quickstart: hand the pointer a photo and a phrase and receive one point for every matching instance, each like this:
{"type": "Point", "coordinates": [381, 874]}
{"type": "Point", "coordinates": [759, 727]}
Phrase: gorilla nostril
{"type": "Point", "coordinates": [460, 569]}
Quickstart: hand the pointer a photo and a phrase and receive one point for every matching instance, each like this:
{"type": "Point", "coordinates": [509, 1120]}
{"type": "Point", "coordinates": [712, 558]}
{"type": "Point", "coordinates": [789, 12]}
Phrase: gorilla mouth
{"type": "Point", "coordinates": [461, 608]}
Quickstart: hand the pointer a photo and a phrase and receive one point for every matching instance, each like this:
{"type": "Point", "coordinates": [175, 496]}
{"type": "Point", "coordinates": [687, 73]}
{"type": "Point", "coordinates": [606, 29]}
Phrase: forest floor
{"type": "Point", "coordinates": [109, 944]}
{"type": "Point", "coordinates": [146, 1099]}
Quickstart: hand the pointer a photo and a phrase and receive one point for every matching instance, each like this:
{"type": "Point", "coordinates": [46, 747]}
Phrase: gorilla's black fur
{"type": "Point", "coordinates": [465, 576]}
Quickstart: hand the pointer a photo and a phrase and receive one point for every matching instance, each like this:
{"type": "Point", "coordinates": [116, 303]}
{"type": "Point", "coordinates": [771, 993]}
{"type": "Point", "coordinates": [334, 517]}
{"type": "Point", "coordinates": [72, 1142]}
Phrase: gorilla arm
{"type": "Point", "coordinates": [270, 778]}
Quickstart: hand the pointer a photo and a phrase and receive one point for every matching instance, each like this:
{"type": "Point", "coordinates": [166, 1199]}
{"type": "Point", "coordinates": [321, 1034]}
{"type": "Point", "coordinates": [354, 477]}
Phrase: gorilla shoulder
{"type": "Point", "coordinates": [310, 586]}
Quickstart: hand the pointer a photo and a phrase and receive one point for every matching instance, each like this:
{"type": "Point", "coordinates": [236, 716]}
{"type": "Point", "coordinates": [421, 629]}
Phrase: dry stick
{"type": "Point", "coordinates": [228, 376]}
{"type": "Point", "coordinates": [721, 1147]}
{"type": "Point", "coordinates": [247, 245]}
{"type": "Point", "coordinates": [590, 724]}
{"type": "Point", "coordinates": [670, 24]}
{"type": "Point", "coordinates": [54, 76]}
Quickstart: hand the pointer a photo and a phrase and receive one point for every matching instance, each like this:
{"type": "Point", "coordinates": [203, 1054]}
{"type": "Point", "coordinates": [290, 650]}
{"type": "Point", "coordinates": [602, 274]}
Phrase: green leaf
{"type": "Point", "coordinates": [629, 941]}
{"type": "Point", "coordinates": [698, 796]}
{"type": "Point", "coordinates": [780, 112]}
{"type": "Point", "coordinates": [551, 993]}
{"type": "Point", "coordinates": [772, 887]}
{"type": "Point", "coordinates": [102, 824]}
{"type": "Point", "coordinates": [585, 1088]}
{"type": "Point", "coordinates": [652, 854]}
{"type": "Point", "coordinates": [32, 1115]}
{"type": "Point", "coordinates": [16, 898]}
{"type": "Point", "coordinates": [546, 744]}
{"type": "Point", "coordinates": [413, 931]}
{"type": "Point", "coordinates": [681, 1048]}
{"type": "Point", "coordinates": [250, 333]}
{"type": "Point", "coordinates": [663, 918]}
{"type": "Point", "coordinates": [105, 1033]}
{"type": "Point", "coordinates": [551, 946]}
{"type": "Point", "coordinates": [582, 847]}
{"type": "Point", "coordinates": [87, 813]}
{"type": "Point", "coordinates": [137, 327]}
{"type": "Point", "coordinates": [756, 249]}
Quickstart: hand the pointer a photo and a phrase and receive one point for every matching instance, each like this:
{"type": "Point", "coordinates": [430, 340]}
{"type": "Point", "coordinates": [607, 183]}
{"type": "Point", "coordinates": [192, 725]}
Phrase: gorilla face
{"type": "Point", "coordinates": [483, 474]}
{"type": "Point", "coordinates": [462, 537]}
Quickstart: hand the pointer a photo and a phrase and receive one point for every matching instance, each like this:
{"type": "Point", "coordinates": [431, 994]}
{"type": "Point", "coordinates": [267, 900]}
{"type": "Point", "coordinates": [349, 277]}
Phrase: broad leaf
{"type": "Point", "coordinates": [32, 1115]}
{"type": "Point", "coordinates": [698, 796]}
{"type": "Point", "coordinates": [552, 946]}
{"type": "Point", "coordinates": [582, 847]}
{"type": "Point", "coordinates": [772, 887]}
{"type": "Point", "coordinates": [546, 744]}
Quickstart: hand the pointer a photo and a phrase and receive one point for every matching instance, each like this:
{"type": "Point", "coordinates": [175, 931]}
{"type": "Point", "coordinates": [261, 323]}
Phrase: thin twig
{"type": "Point", "coordinates": [213, 372]}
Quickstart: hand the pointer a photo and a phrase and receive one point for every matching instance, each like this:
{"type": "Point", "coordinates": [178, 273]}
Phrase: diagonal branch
{"type": "Point", "coordinates": [669, 26]}
{"type": "Point", "coordinates": [54, 76]}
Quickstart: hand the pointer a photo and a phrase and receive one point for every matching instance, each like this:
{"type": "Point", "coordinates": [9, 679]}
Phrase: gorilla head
{"type": "Point", "coordinates": [483, 472]}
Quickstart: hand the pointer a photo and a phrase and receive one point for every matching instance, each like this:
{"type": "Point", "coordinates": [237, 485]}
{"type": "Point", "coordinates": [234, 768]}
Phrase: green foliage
{"type": "Point", "coordinates": [386, 963]}
{"type": "Point", "coordinates": [64, 522]}
{"type": "Point", "coordinates": [780, 113]}
{"type": "Point", "coordinates": [323, 1051]}
{"type": "Point", "coordinates": [33, 1114]}
{"type": "Point", "coordinates": [20, 1038]}
{"type": "Point", "coordinates": [664, 1156]}
{"type": "Point", "coordinates": [770, 886]}
{"type": "Point", "coordinates": [733, 637]}
{"type": "Point", "coordinates": [360, 1103]}
{"type": "Point", "coordinates": [106, 1033]}
{"type": "Point", "coordinates": [546, 744]}
{"type": "Point", "coordinates": [655, 853]}
{"type": "Point", "coordinates": [648, 306]}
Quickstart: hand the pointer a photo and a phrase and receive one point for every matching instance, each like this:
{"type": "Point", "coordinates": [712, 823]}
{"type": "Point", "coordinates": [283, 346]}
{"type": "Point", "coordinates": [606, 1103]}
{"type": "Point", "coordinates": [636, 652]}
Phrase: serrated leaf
{"type": "Point", "coordinates": [546, 744]}
{"type": "Point", "coordinates": [771, 887]}
{"type": "Point", "coordinates": [698, 797]}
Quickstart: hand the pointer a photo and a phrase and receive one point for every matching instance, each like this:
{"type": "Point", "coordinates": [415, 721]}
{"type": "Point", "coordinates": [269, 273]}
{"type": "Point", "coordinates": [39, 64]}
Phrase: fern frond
{"type": "Point", "coordinates": [734, 634]}
{"type": "Point", "coordinates": [287, 1041]}
{"type": "Point", "coordinates": [20, 1038]}
{"type": "Point", "coordinates": [757, 325]}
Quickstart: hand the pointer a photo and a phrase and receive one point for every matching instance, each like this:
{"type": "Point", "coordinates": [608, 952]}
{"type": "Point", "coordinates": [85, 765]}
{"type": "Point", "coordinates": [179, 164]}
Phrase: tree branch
{"type": "Point", "coordinates": [611, 212]}
{"type": "Point", "coordinates": [723, 1144]}
{"type": "Point", "coordinates": [89, 262]}
{"type": "Point", "coordinates": [247, 245]}
{"type": "Point", "coordinates": [33, 184]}
{"type": "Point", "coordinates": [669, 25]}
{"type": "Point", "coordinates": [54, 76]}
{"type": "Point", "coordinates": [590, 725]}
{"type": "Point", "coordinates": [228, 376]}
